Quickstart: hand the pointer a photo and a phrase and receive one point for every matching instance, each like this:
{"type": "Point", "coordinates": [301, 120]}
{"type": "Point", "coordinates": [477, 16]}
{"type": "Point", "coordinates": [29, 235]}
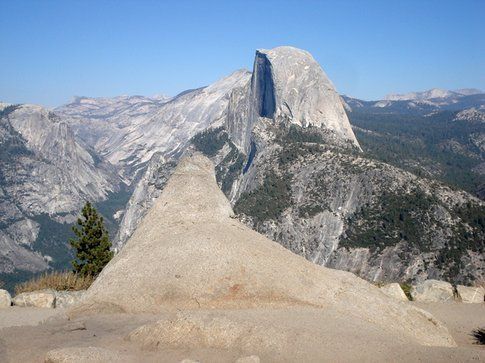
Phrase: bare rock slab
{"type": "Point", "coordinates": [471, 295]}
{"type": "Point", "coordinates": [66, 299]}
{"type": "Point", "coordinates": [189, 253]}
{"type": "Point", "coordinates": [395, 291]}
{"type": "Point", "coordinates": [433, 291]}
{"type": "Point", "coordinates": [5, 299]}
{"type": "Point", "coordinates": [37, 299]}
{"type": "Point", "coordinates": [82, 355]}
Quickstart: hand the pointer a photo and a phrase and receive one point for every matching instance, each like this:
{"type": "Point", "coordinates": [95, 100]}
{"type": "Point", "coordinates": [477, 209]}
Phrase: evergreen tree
{"type": "Point", "coordinates": [92, 244]}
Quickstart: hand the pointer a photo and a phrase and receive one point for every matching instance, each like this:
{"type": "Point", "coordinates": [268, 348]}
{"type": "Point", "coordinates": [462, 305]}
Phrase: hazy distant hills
{"type": "Point", "coordinates": [438, 134]}
{"type": "Point", "coordinates": [421, 103]}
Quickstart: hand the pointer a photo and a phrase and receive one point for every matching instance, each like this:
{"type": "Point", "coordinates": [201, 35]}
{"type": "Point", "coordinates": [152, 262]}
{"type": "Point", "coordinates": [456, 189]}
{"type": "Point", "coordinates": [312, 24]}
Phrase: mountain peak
{"type": "Point", "coordinates": [288, 83]}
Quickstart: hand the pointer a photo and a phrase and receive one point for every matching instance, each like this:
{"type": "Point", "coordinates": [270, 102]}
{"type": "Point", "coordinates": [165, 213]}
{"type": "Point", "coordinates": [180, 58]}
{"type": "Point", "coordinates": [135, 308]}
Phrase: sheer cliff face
{"type": "Point", "coordinates": [45, 176]}
{"type": "Point", "coordinates": [292, 85]}
{"type": "Point", "coordinates": [287, 85]}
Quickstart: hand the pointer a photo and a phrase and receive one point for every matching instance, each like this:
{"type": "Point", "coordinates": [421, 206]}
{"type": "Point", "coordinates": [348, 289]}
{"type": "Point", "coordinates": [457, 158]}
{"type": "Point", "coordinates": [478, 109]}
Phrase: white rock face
{"type": "Point", "coordinates": [140, 129]}
{"type": "Point", "coordinates": [201, 257]}
{"type": "Point", "coordinates": [287, 85]}
{"type": "Point", "coordinates": [301, 91]}
{"type": "Point", "coordinates": [36, 299]}
{"type": "Point", "coordinates": [5, 299]}
{"type": "Point", "coordinates": [69, 173]}
{"type": "Point", "coordinates": [433, 291]}
{"type": "Point", "coordinates": [471, 295]}
{"type": "Point", "coordinates": [394, 290]}
{"type": "Point", "coordinates": [419, 96]}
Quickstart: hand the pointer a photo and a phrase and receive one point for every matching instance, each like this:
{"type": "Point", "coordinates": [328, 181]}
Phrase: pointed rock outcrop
{"type": "Point", "coordinates": [188, 253]}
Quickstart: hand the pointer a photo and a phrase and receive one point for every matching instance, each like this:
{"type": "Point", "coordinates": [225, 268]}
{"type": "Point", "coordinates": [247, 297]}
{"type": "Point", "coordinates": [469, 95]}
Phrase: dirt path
{"type": "Point", "coordinates": [308, 335]}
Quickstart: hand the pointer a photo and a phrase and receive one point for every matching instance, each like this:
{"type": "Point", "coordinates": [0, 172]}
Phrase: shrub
{"type": "Point", "coordinates": [56, 281]}
{"type": "Point", "coordinates": [479, 335]}
{"type": "Point", "coordinates": [407, 290]}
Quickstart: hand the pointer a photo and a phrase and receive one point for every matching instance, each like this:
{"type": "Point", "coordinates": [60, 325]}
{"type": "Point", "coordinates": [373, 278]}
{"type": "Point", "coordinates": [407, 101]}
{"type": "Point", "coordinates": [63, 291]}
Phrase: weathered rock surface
{"type": "Point", "coordinates": [249, 359]}
{"type": "Point", "coordinates": [46, 175]}
{"type": "Point", "coordinates": [130, 134]}
{"type": "Point", "coordinates": [66, 299]}
{"type": "Point", "coordinates": [82, 355]}
{"type": "Point", "coordinates": [201, 257]}
{"type": "Point", "coordinates": [5, 299]}
{"type": "Point", "coordinates": [470, 294]}
{"type": "Point", "coordinates": [290, 84]}
{"type": "Point", "coordinates": [394, 290]}
{"type": "Point", "coordinates": [38, 299]}
{"type": "Point", "coordinates": [433, 291]}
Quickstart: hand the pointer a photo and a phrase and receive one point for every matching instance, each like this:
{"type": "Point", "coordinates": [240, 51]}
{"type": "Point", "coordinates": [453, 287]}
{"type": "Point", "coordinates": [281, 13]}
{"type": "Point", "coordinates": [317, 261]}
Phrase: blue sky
{"type": "Point", "coordinates": [53, 50]}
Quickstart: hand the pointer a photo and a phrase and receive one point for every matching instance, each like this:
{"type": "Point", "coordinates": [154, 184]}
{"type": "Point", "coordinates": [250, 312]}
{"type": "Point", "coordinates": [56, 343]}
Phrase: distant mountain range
{"type": "Point", "coordinates": [387, 189]}
{"type": "Point", "coordinates": [421, 103]}
{"type": "Point", "coordinates": [433, 93]}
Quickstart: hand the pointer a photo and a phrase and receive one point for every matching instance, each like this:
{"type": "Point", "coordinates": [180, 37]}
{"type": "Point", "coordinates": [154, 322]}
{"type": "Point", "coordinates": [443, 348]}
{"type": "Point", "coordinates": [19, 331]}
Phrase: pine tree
{"type": "Point", "coordinates": [92, 244]}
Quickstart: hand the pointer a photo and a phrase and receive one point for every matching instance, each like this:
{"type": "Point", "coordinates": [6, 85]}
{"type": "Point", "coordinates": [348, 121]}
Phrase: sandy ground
{"type": "Point", "coordinates": [312, 335]}
{"type": "Point", "coordinates": [16, 316]}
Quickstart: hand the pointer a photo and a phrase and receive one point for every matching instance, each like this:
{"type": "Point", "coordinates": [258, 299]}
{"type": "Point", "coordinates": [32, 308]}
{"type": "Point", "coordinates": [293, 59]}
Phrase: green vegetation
{"type": "Point", "coordinates": [310, 210]}
{"type": "Point", "coordinates": [406, 287]}
{"type": "Point", "coordinates": [468, 234]}
{"type": "Point", "coordinates": [268, 201]}
{"type": "Point", "coordinates": [52, 241]}
{"type": "Point", "coordinates": [297, 134]}
{"type": "Point", "coordinates": [433, 146]}
{"type": "Point", "coordinates": [209, 142]}
{"type": "Point", "coordinates": [92, 244]}
{"type": "Point", "coordinates": [410, 218]}
{"type": "Point", "coordinates": [391, 219]}
{"type": "Point", "coordinates": [8, 110]}
{"type": "Point", "coordinates": [229, 169]}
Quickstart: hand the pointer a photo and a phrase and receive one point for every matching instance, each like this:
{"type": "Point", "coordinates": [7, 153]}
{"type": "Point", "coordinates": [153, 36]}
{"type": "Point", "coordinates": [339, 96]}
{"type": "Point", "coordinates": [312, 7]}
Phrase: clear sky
{"type": "Point", "coordinates": [53, 50]}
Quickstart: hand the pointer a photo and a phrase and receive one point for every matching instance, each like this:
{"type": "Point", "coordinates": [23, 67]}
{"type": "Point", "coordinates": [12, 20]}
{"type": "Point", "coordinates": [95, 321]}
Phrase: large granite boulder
{"type": "Point", "coordinates": [469, 294]}
{"type": "Point", "coordinates": [5, 299]}
{"type": "Point", "coordinates": [65, 299]}
{"type": "Point", "coordinates": [188, 252]}
{"type": "Point", "coordinates": [37, 299]}
{"type": "Point", "coordinates": [395, 291]}
{"type": "Point", "coordinates": [433, 291]}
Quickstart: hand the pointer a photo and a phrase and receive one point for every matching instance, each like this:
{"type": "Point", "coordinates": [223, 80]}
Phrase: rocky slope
{"type": "Point", "coordinates": [290, 164]}
{"type": "Point", "coordinates": [201, 258]}
{"type": "Point", "coordinates": [45, 176]}
{"type": "Point", "coordinates": [129, 132]}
